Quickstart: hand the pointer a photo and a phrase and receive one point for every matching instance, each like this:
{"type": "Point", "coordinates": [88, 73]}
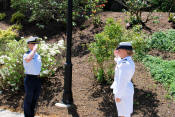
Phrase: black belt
{"type": "Point", "coordinates": [31, 75]}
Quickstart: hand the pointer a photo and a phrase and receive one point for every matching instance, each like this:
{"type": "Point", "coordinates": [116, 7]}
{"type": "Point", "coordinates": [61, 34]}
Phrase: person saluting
{"type": "Point", "coordinates": [32, 84]}
{"type": "Point", "coordinates": [122, 86]}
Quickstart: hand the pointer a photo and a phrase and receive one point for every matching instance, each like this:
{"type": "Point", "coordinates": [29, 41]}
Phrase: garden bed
{"type": "Point", "coordinates": [90, 98]}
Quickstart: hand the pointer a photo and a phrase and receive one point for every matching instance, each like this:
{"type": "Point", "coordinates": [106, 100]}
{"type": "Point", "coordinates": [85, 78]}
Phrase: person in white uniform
{"type": "Point", "coordinates": [122, 86]}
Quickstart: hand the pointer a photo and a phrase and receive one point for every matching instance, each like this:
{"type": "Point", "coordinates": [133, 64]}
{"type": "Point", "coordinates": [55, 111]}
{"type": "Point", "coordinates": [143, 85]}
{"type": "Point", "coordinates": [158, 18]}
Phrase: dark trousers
{"type": "Point", "coordinates": [32, 85]}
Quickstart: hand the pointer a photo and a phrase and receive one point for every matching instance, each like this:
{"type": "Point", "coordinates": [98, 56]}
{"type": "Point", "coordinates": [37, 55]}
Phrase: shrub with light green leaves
{"type": "Point", "coordinates": [162, 71]}
{"type": "Point", "coordinates": [8, 35]}
{"type": "Point", "coordinates": [107, 41]}
{"type": "Point", "coordinates": [171, 17]}
{"type": "Point", "coordinates": [103, 47]}
{"type": "Point", "coordinates": [12, 71]}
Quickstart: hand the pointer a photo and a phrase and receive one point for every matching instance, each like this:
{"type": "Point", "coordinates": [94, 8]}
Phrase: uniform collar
{"type": "Point", "coordinates": [128, 58]}
{"type": "Point", "coordinates": [118, 60]}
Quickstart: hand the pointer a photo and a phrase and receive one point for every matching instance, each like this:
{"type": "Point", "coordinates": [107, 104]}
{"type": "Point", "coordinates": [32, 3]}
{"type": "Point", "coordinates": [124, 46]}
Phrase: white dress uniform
{"type": "Point", "coordinates": [122, 85]}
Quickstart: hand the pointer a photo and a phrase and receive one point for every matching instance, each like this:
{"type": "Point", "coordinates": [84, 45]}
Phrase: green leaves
{"type": "Point", "coordinates": [44, 11]}
{"type": "Point", "coordinates": [105, 44]}
{"type": "Point", "coordinates": [113, 30]}
{"type": "Point", "coordinates": [8, 35]}
{"type": "Point", "coordinates": [2, 16]}
{"type": "Point", "coordinates": [135, 10]}
{"type": "Point", "coordinates": [103, 47]}
{"type": "Point", "coordinates": [17, 17]}
{"type": "Point", "coordinates": [11, 59]}
{"type": "Point", "coordinates": [162, 71]}
{"type": "Point", "coordinates": [163, 40]}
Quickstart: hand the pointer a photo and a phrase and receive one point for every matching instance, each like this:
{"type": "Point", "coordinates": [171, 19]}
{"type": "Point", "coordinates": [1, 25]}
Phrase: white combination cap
{"type": "Point", "coordinates": [124, 45]}
{"type": "Point", "coordinates": [33, 40]}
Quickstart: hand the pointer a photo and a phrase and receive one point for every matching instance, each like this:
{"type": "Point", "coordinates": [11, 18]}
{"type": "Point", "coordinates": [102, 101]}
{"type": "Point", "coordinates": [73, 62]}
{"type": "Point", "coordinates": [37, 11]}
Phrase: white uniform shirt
{"type": "Point", "coordinates": [124, 71]}
{"type": "Point", "coordinates": [34, 66]}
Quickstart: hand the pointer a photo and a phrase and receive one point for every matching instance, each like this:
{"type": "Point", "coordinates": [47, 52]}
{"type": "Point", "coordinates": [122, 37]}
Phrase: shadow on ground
{"type": "Point", "coordinates": [50, 88]}
{"type": "Point", "coordinates": [12, 99]}
{"type": "Point", "coordinates": [107, 106]}
{"type": "Point", "coordinates": [145, 102]}
{"type": "Point", "coordinates": [73, 111]}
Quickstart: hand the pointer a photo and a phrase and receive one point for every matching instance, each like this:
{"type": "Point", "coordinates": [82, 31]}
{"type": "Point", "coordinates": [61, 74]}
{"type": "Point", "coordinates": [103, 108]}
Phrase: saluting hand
{"type": "Point", "coordinates": [35, 47]}
{"type": "Point", "coordinates": [116, 53]}
{"type": "Point", "coordinates": [118, 100]}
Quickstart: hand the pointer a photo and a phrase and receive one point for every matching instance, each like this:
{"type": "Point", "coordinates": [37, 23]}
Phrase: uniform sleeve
{"type": "Point", "coordinates": [123, 80]}
{"type": "Point", "coordinates": [40, 60]}
{"type": "Point", "coordinates": [24, 56]}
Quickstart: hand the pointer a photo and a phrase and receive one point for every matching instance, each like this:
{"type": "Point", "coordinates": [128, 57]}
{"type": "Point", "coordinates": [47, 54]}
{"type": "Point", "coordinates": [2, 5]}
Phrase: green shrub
{"type": "Point", "coordinates": [106, 42]}
{"type": "Point", "coordinates": [135, 10]}
{"type": "Point", "coordinates": [12, 71]}
{"type": "Point", "coordinates": [2, 16]}
{"type": "Point", "coordinates": [16, 27]}
{"type": "Point", "coordinates": [139, 43]}
{"type": "Point", "coordinates": [96, 20]}
{"type": "Point", "coordinates": [41, 11]}
{"type": "Point", "coordinates": [17, 17]}
{"type": "Point", "coordinates": [171, 18]}
{"type": "Point", "coordinates": [48, 54]}
{"type": "Point", "coordinates": [6, 36]}
{"type": "Point", "coordinates": [103, 47]}
{"type": "Point", "coordinates": [9, 34]}
{"type": "Point", "coordinates": [163, 40]}
{"type": "Point", "coordinates": [132, 19]}
{"type": "Point", "coordinates": [164, 5]}
{"type": "Point", "coordinates": [162, 71]}
{"type": "Point", "coordinates": [137, 28]}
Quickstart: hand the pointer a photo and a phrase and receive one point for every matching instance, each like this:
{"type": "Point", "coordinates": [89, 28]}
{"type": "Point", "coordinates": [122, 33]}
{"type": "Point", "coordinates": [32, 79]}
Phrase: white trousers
{"type": "Point", "coordinates": [125, 107]}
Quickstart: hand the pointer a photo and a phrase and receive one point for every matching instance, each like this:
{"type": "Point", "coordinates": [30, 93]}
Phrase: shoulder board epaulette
{"type": "Point", "coordinates": [124, 60]}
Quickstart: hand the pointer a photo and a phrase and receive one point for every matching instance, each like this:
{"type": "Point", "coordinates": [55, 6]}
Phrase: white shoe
{"type": "Point", "coordinates": [62, 105]}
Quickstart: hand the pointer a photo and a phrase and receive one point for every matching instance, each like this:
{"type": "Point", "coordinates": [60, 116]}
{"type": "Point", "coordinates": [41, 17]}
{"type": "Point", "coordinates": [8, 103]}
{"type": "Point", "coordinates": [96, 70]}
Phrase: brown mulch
{"type": "Point", "coordinates": [163, 54]}
{"type": "Point", "coordinates": [90, 98]}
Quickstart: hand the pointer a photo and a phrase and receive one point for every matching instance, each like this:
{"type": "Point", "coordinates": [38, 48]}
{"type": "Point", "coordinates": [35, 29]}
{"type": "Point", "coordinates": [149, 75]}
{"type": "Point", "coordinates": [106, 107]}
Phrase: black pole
{"type": "Point", "coordinates": [5, 4]}
{"type": "Point", "coordinates": [67, 94]}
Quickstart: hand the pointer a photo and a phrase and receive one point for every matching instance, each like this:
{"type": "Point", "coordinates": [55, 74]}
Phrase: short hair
{"type": "Point", "coordinates": [130, 52]}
